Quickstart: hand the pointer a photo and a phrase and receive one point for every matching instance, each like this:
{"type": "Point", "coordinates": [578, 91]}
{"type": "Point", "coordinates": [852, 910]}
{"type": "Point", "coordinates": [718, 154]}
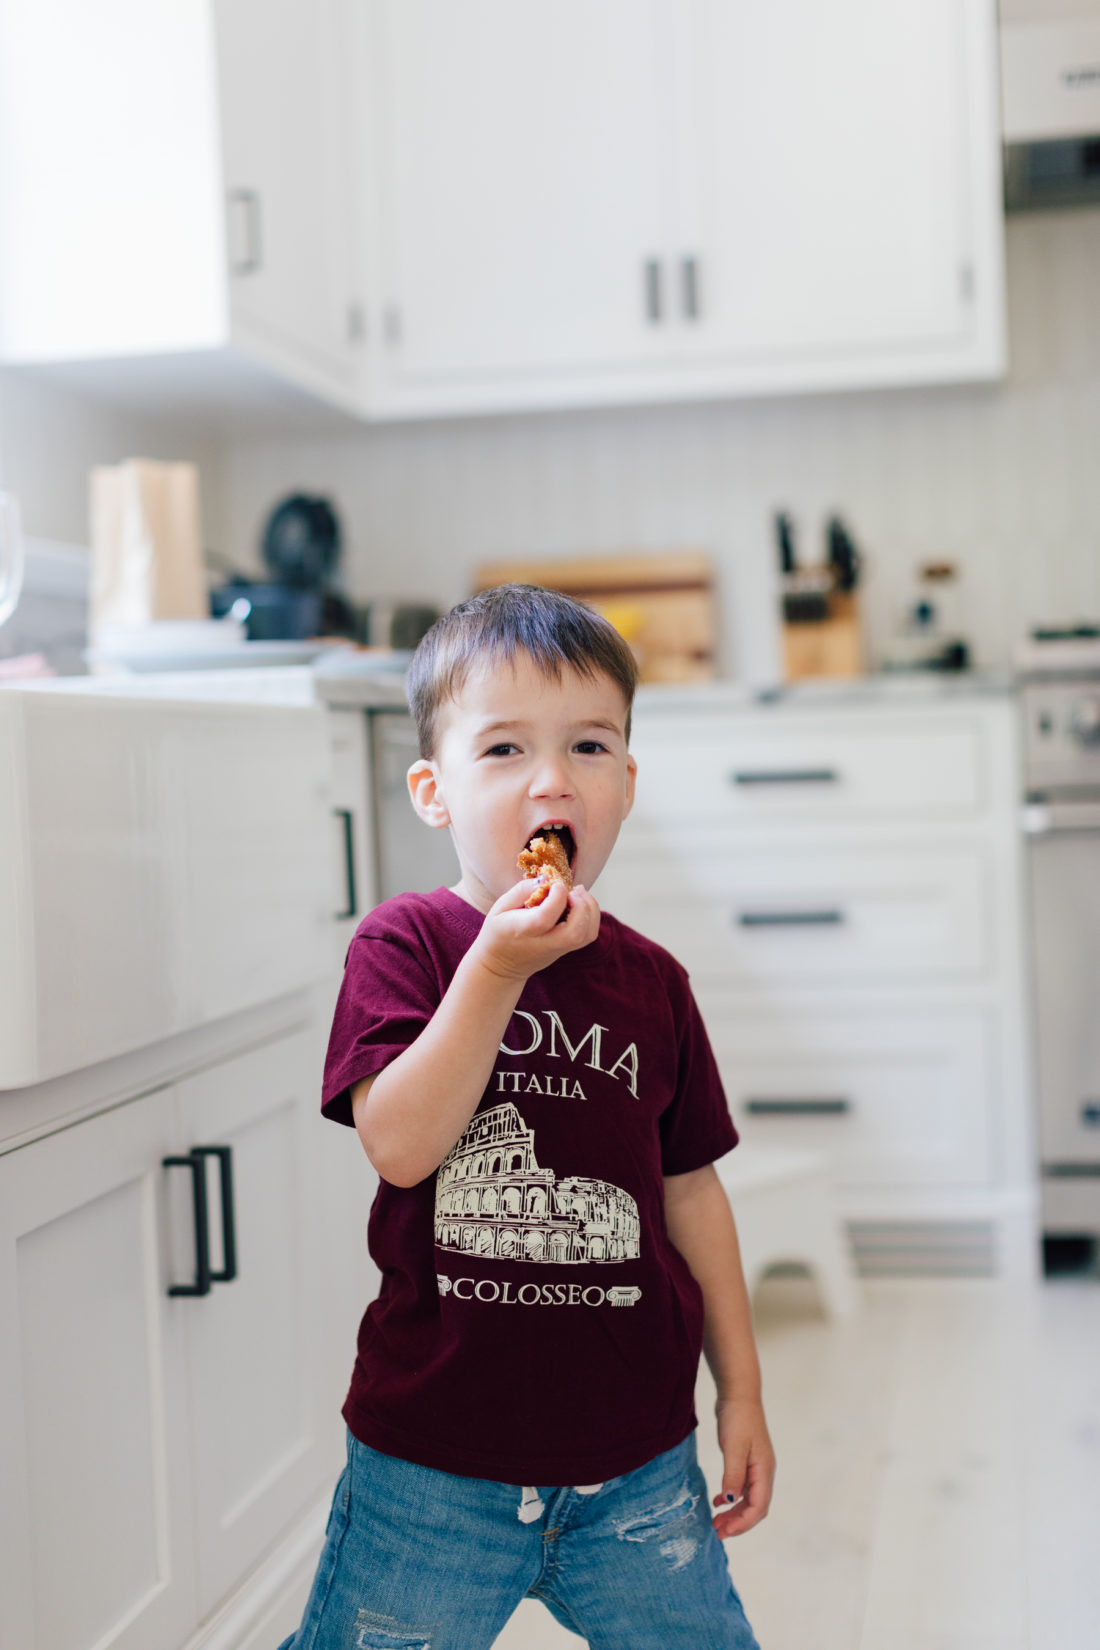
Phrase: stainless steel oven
{"type": "Point", "coordinates": [1061, 704]}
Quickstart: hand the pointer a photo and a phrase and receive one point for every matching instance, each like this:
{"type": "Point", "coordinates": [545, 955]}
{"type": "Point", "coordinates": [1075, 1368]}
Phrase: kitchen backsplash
{"type": "Point", "coordinates": [1002, 480]}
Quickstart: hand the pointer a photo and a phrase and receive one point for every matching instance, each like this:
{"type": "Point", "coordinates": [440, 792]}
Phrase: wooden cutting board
{"type": "Point", "coordinates": [662, 604]}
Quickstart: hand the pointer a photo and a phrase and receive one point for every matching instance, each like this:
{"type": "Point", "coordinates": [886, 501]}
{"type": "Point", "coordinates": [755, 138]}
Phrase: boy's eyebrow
{"type": "Point", "coordinates": [608, 724]}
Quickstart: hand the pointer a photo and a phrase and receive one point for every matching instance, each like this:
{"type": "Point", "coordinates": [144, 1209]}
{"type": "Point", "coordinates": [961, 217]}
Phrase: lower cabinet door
{"type": "Point", "coordinates": [96, 1539]}
{"type": "Point", "coordinates": [893, 1098]}
{"type": "Point", "coordinates": [260, 1447]}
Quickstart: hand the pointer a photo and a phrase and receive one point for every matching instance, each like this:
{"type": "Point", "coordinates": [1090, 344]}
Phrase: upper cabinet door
{"type": "Point", "coordinates": [837, 194]}
{"type": "Point", "coordinates": [287, 149]}
{"type": "Point", "coordinates": [522, 186]}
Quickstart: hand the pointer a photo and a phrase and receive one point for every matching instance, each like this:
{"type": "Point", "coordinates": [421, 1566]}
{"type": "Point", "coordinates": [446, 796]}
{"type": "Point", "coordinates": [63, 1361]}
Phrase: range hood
{"type": "Point", "coordinates": [1050, 112]}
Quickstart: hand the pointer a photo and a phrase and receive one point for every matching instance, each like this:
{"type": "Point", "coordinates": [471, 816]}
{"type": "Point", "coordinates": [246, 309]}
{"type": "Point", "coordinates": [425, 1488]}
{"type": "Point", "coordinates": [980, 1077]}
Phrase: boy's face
{"type": "Point", "coordinates": [517, 750]}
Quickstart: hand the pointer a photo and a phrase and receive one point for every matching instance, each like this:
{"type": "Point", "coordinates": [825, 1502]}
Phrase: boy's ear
{"type": "Point", "coordinates": [631, 778]}
{"type": "Point", "coordinates": [427, 798]}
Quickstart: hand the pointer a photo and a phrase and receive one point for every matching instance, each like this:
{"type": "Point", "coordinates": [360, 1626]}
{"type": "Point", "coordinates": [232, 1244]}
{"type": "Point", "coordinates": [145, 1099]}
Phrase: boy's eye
{"type": "Point", "coordinates": [590, 747]}
{"type": "Point", "coordinates": [502, 750]}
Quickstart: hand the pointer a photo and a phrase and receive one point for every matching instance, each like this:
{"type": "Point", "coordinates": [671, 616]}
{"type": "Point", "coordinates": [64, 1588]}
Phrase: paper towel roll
{"type": "Point", "coordinates": [146, 539]}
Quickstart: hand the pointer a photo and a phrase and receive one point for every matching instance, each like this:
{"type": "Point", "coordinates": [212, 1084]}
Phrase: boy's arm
{"type": "Point", "coordinates": [409, 1115]}
{"type": "Point", "coordinates": [702, 1228]}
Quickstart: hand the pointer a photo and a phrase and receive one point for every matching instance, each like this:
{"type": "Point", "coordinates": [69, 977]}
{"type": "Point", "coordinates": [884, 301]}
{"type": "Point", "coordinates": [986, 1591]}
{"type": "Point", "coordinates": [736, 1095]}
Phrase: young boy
{"type": "Point", "coordinates": [536, 1090]}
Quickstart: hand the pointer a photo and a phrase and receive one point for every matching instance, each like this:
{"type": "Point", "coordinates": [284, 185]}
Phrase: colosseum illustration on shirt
{"type": "Point", "coordinates": [491, 1198]}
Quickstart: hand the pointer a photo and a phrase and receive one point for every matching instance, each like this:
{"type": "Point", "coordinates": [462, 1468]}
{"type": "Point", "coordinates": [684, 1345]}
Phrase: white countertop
{"type": "Point", "coordinates": [373, 686]}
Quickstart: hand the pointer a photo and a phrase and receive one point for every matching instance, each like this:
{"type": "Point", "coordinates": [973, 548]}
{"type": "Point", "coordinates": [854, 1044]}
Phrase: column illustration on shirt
{"type": "Point", "coordinates": [491, 1198]}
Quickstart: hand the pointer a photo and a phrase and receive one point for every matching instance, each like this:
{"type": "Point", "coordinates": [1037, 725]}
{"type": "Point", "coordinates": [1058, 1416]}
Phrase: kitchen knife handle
{"type": "Point", "coordinates": [224, 1154]}
{"type": "Point", "coordinates": [344, 814]}
{"type": "Point", "coordinates": [194, 1162]}
{"type": "Point", "coordinates": [785, 776]}
{"type": "Point", "coordinates": [829, 1107]}
{"type": "Point", "coordinates": [689, 287]}
{"type": "Point", "coordinates": [790, 919]}
{"type": "Point", "coordinates": [652, 274]}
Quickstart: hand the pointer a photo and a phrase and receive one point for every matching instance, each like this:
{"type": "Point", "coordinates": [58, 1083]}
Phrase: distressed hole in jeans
{"type": "Point", "coordinates": [374, 1632]}
{"type": "Point", "coordinates": [671, 1525]}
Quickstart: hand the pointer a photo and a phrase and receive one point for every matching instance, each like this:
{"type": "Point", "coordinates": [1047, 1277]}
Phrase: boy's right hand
{"type": "Point", "coordinates": [518, 940]}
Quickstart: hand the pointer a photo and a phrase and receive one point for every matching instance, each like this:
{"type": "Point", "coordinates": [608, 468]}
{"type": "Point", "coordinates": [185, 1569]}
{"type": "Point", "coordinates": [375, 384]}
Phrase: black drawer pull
{"type": "Point", "coordinates": [344, 814]}
{"type": "Point", "coordinates": [651, 271]}
{"type": "Point", "coordinates": [1090, 1114]}
{"type": "Point", "coordinates": [224, 1154]}
{"type": "Point", "coordinates": [785, 776]}
{"type": "Point", "coordinates": [790, 919]}
{"type": "Point", "coordinates": [194, 1162]}
{"type": "Point", "coordinates": [798, 1108]}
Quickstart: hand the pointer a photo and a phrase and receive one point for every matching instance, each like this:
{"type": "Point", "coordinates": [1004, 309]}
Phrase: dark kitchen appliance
{"type": "Point", "coordinates": [301, 549]}
{"type": "Point", "coordinates": [1061, 707]}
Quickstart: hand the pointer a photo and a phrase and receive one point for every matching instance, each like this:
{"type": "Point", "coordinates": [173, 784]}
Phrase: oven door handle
{"type": "Point", "coordinates": [1044, 818]}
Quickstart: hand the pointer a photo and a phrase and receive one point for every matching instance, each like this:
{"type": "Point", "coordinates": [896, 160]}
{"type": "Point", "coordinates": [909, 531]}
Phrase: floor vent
{"type": "Point", "coordinates": [924, 1248]}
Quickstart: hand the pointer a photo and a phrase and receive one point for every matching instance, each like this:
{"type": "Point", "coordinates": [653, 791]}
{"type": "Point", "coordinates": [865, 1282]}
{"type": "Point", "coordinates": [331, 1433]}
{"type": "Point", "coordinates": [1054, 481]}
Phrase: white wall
{"type": "Point", "coordinates": [51, 436]}
{"type": "Point", "coordinates": [1003, 480]}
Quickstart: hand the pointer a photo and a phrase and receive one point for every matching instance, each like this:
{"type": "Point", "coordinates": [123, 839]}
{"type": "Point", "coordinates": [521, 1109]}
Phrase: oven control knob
{"type": "Point", "coordinates": [1084, 721]}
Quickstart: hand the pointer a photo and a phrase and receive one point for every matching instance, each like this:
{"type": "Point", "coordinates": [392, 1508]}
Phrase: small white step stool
{"type": "Point", "coordinates": [783, 1204]}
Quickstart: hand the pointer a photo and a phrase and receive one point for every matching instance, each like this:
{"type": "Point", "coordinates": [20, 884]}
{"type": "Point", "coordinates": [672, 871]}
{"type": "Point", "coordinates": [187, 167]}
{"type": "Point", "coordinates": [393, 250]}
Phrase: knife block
{"type": "Point", "coordinates": [827, 647]}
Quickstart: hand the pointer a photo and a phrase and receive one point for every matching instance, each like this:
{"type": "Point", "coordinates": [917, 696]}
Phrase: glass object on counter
{"type": "Point", "coordinates": [11, 556]}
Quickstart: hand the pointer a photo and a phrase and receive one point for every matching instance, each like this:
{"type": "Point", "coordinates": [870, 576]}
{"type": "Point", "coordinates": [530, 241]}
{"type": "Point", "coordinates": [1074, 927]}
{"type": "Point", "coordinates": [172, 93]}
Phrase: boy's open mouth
{"type": "Point", "coordinates": [564, 836]}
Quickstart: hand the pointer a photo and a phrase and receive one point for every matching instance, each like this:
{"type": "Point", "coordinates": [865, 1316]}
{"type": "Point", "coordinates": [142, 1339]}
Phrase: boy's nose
{"type": "Point", "coordinates": [551, 778]}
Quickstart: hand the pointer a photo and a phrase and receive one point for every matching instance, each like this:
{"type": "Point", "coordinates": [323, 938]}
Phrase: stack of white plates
{"type": "Point", "coordinates": [190, 644]}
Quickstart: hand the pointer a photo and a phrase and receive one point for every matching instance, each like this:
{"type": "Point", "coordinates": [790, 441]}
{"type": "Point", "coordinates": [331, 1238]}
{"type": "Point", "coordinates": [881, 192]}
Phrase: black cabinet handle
{"type": "Point", "coordinates": [652, 270]}
{"type": "Point", "coordinates": [1090, 1114]}
{"type": "Point", "coordinates": [784, 776]}
{"type": "Point", "coordinates": [689, 288]}
{"type": "Point", "coordinates": [349, 864]}
{"type": "Point", "coordinates": [194, 1162]}
{"type": "Point", "coordinates": [224, 1154]}
{"type": "Point", "coordinates": [790, 919]}
{"type": "Point", "coordinates": [798, 1108]}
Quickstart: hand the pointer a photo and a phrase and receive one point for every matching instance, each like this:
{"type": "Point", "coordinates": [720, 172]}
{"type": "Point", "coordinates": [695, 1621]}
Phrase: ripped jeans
{"type": "Point", "coordinates": [416, 1559]}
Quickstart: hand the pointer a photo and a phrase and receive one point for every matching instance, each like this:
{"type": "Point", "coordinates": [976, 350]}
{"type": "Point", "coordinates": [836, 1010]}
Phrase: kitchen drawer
{"type": "Point", "coordinates": [894, 1099]}
{"type": "Point", "coordinates": [836, 916]}
{"type": "Point", "coordinates": [741, 770]}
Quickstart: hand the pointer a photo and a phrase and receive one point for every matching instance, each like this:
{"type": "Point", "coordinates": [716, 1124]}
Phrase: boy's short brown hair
{"type": "Point", "coordinates": [551, 628]}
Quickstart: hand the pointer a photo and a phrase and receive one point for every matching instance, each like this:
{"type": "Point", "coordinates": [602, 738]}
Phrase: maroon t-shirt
{"type": "Point", "coordinates": [535, 1325]}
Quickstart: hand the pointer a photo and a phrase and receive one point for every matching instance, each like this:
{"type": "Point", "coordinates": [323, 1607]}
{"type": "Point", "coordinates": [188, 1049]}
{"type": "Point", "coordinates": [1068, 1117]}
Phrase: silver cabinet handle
{"type": "Point", "coordinates": [246, 204]}
{"type": "Point", "coordinates": [790, 919]}
{"type": "Point", "coordinates": [652, 273]}
{"type": "Point", "coordinates": [829, 1107]}
{"type": "Point", "coordinates": [689, 288]}
{"type": "Point", "coordinates": [784, 776]}
{"type": "Point", "coordinates": [1043, 818]}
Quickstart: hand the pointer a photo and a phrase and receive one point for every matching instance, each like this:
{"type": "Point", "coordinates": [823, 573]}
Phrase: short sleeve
{"type": "Point", "coordinates": [696, 1127]}
{"type": "Point", "coordinates": [387, 996]}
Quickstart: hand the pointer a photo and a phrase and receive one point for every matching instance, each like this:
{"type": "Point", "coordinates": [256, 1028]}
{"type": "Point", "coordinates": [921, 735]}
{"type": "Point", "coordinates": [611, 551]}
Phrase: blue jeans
{"type": "Point", "coordinates": [416, 1559]}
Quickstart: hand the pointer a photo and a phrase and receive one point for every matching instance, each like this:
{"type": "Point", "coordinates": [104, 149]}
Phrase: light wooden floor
{"type": "Point", "coordinates": [939, 1477]}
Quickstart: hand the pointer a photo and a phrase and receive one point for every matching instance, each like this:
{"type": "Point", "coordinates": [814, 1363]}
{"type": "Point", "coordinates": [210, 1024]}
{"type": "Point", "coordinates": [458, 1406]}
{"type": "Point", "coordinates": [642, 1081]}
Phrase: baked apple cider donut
{"type": "Point", "coordinates": [546, 860]}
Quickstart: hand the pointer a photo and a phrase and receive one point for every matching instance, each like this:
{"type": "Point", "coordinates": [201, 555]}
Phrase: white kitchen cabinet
{"type": "Point", "coordinates": [176, 186]}
{"type": "Point", "coordinates": [163, 1443]}
{"type": "Point", "coordinates": [521, 162]}
{"type": "Point", "coordinates": [842, 877]}
{"type": "Point", "coordinates": [669, 200]}
{"type": "Point", "coordinates": [839, 213]}
{"type": "Point", "coordinates": [96, 1499]}
{"type": "Point", "coordinates": [288, 151]}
